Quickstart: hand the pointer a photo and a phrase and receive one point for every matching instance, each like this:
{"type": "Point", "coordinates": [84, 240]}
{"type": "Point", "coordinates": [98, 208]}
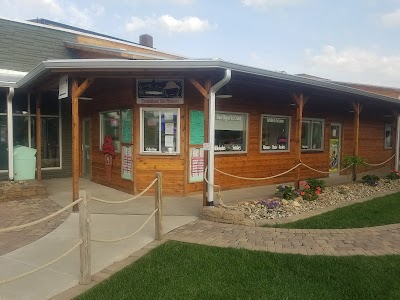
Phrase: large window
{"type": "Point", "coordinates": [24, 128]}
{"type": "Point", "coordinates": [159, 130]}
{"type": "Point", "coordinates": [110, 125]}
{"type": "Point", "coordinates": [312, 134]}
{"type": "Point", "coordinates": [275, 133]}
{"type": "Point", "coordinates": [230, 132]}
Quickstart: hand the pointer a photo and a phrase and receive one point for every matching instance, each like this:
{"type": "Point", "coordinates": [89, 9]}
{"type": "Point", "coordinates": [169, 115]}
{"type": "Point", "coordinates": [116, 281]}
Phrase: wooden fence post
{"type": "Point", "coordinates": [158, 205]}
{"type": "Point", "coordinates": [84, 234]}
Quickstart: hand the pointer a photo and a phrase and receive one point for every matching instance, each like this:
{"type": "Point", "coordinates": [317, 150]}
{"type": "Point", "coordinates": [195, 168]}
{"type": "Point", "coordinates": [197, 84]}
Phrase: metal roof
{"type": "Point", "coordinates": [93, 65]}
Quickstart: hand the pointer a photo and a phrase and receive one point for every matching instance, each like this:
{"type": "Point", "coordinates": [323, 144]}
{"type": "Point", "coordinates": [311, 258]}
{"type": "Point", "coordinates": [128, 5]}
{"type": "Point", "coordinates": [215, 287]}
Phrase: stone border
{"type": "Point", "coordinates": [221, 215]}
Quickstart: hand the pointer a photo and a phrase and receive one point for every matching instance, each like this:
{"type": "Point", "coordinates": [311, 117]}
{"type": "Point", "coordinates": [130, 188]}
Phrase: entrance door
{"type": "Point", "coordinates": [86, 148]}
{"type": "Point", "coordinates": [335, 148]}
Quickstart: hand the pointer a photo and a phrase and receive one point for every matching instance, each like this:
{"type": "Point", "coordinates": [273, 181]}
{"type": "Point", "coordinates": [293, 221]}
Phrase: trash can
{"type": "Point", "coordinates": [24, 163]}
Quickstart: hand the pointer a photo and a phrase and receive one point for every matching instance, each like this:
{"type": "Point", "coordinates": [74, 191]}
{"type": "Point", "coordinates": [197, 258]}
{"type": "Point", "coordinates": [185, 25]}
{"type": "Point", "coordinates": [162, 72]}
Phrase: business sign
{"type": "Point", "coordinates": [159, 91]}
{"type": "Point", "coordinates": [63, 87]}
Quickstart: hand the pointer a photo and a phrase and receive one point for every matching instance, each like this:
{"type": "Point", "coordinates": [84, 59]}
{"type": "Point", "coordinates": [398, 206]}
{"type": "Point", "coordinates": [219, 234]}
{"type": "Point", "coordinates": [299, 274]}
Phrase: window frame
{"type": "Point", "coordinates": [261, 133]}
{"type": "Point", "coordinates": [178, 130]}
{"type": "Point", "coordinates": [387, 125]}
{"type": "Point", "coordinates": [246, 130]}
{"type": "Point", "coordinates": [101, 129]}
{"type": "Point", "coordinates": [310, 135]}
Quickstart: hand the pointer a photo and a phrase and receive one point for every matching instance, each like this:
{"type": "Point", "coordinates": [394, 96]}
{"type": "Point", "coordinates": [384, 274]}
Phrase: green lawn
{"type": "Point", "coordinates": [187, 271]}
{"type": "Point", "coordinates": [379, 211]}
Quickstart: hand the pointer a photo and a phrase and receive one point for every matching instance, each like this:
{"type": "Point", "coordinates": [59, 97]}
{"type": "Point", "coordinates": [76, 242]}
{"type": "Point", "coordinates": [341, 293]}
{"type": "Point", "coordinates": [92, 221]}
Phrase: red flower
{"type": "Point", "coordinates": [303, 183]}
{"type": "Point", "coordinates": [317, 192]}
{"type": "Point", "coordinates": [307, 187]}
{"type": "Point", "coordinates": [318, 188]}
{"type": "Point", "coordinates": [302, 193]}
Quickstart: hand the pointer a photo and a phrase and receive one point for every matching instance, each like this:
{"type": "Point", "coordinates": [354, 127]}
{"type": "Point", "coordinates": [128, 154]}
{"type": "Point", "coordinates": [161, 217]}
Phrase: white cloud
{"type": "Point", "coordinates": [56, 10]}
{"type": "Point", "coordinates": [183, 2]}
{"type": "Point", "coordinates": [354, 64]}
{"type": "Point", "coordinates": [392, 18]}
{"type": "Point", "coordinates": [168, 23]}
{"type": "Point", "coordinates": [269, 4]}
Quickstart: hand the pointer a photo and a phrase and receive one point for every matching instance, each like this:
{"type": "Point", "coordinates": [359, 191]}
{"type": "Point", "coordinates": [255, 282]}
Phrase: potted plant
{"type": "Point", "coordinates": [109, 154]}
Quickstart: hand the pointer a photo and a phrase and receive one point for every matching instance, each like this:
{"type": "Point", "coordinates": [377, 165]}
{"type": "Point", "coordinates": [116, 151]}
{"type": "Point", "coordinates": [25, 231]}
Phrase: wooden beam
{"type": "Point", "coordinates": [357, 111]}
{"type": "Point", "coordinates": [38, 137]}
{"type": "Point", "coordinates": [84, 85]}
{"type": "Point", "coordinates": [206, 137]}
{"type": "Point", "coordinates": [395, 114]}
{"type": "Point", "coordinates": [300, 101]}
{"type": "Point", "coordinates": [199, 87]}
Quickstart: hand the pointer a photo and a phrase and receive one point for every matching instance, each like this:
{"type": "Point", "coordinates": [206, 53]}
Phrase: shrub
{"type": "Point", "coordinates": [393, 175]}
{"type": "Point", "coordinates": [286, 192]}
{"type": "Point", "coordinates": [371, 180]}
{"type": "Point", "coordinates": [310, 194]}
{"type": "Point", "coordinates": [355, 161]}
{"type": "Point", "coordinates": [314, 183]}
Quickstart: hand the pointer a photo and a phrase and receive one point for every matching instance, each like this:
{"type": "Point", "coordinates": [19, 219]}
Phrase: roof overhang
{"type": "Point", "coordinates": [9, 78]}
{"type": "Point", "coordinates": [123, 65]}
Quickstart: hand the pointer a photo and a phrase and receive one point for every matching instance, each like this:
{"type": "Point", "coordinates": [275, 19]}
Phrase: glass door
{"type": "Point", "coordinates": [335, 148]}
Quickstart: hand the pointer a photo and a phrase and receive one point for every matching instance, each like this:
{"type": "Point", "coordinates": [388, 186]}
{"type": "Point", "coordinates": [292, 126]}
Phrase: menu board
{"type": "Point", "coordinates": [126, 126]}
{"type": "Point", "coordinates": [126, 172]}
{"type": "Point", "coordinates": [196, 127]}
{"type": "Point", "coordinates": [196, 172]}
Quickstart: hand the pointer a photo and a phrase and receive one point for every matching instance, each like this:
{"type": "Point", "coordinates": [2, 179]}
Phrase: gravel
{"type": "Point", "coordinates": [331, 196]}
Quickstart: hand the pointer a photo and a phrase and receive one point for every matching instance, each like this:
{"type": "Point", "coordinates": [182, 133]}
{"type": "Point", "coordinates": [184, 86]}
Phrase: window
{"type": "Point", "coordinates": [388, 136]}
{"type": "Point", "coordinates": [230, 132]}
{"type": "Point", "coordinates": [110, 124]}
{"type": "Point", "coordinates": [159, 130]}
{"type": "Point", "coordinates": [275, 133]}
{"type": "Point", "coordinates": [312, 134]}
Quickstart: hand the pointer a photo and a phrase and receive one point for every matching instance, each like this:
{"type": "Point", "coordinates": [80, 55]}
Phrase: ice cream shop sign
{"type": "Point", "coordinates": [159, 91]}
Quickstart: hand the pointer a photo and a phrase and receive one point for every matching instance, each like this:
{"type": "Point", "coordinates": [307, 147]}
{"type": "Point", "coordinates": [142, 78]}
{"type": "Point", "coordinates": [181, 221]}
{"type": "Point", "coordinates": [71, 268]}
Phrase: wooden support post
{"type": "Point", "coordinates": [38, 138]}
{"type": "Point", "coordinates": [77, 90]}
{"type": "Point", "coordinates": [394, 137]}
{"type": "Point", "coordinates": [357, 110]}
{"type": "Point", "coordinates": [84, 234]}
{"type": "Point", "coordinates": [300, 101]}
{"type": "Point", "coordinates": [158, 205]}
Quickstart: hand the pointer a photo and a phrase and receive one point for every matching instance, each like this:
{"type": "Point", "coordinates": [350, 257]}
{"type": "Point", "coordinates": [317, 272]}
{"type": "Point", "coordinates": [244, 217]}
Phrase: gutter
{"type": "Point", "coordinates": [10, 134]}
{"type": "Point", "coordinates": [211, 134]}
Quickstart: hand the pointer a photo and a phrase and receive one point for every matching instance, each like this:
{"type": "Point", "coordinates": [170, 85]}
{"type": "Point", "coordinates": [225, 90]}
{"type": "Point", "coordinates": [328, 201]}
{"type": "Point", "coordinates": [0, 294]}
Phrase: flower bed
{"type": "Point", "coordinates": [275, 207]}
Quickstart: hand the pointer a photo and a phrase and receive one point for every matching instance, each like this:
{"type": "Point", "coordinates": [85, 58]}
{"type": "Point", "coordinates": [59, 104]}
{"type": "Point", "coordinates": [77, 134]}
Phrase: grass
{"type": "Point", "coordinates": [186, 271]}
{"type": "Point", "coordinates": [379, 211]}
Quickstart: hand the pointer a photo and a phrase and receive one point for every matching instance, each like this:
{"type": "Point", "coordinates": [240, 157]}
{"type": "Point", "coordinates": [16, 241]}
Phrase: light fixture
{"type": "Point", "coordinates": [293, 104]}
{"type": "Point", "coordinates": [85, 98]}
{"type": "Point", "coordinates": [387, 116]}
{"type": "Point", "coordinates": [153, 89]}
{"type": "Point", "coordinates": [224, 93]}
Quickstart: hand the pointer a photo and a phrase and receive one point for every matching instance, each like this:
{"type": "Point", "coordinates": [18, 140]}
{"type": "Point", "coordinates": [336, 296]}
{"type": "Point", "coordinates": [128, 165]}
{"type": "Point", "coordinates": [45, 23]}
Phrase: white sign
{"type": "Point", "coordinates": [63, 87]}
{"type": "Point", "coordinates": [207, 146]}
{"type": "Point", "coordinates": [169, 141]}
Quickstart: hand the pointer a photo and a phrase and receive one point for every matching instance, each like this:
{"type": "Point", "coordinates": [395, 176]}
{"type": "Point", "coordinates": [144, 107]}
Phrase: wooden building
{"type": "Point", "coordinates": [155, 111]}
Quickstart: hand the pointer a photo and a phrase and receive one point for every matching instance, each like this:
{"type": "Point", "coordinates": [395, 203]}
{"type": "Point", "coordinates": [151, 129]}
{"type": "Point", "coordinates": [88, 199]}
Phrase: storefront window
{"type": "Point", "coordinates": [3, 143]}
{"type": "Point", "coordinates": [110, 125]}
{"type": "Point", "coordinates": [275, 133]}
{"type": "Point", "coordinates": [230, 132]}
{"type": "Point", "coordinates": [312, 134]}
{"type": "Point", "coordinates": [160, 130]}
{"type": "Point", "coordinates": [388, 137]}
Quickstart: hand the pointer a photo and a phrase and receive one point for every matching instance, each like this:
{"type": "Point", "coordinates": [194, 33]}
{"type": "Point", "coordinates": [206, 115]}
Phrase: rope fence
{"type": "Point", "coordinates": [84, 229]}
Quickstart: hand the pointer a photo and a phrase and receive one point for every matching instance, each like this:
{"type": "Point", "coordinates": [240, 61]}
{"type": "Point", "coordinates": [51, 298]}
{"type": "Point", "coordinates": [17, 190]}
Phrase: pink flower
{"type": "Point", "coordinates": [318, 188]}
{"type": "Point", "coordinates": [317, 192]}
{"type": "Point", "coordinates": [307, 187]}
{"type": "Point", "coordinates": [302, 193]}
{"type": "Point", "coordinates": [303, 183]}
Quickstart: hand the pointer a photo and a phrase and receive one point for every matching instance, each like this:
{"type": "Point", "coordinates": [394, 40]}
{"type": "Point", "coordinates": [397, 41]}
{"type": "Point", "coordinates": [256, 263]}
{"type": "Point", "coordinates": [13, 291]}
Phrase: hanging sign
{"type": "Point", "coordinates": [127, 162]}
{"type": "Point", "coordinates": [63, 87]}
{"type": "Point", "coordinates": [159, 91]}
{"type": "Point", "coordinates": [126, 126]}
{"type": "Point", "coordinates": [196, 171]}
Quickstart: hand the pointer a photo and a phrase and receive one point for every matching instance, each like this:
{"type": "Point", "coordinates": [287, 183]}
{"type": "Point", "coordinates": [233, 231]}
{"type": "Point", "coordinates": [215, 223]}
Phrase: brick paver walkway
{"type": "Point", "coordinates": [13, 213]}
{"type": "Point", "coordinates": [379, 240]}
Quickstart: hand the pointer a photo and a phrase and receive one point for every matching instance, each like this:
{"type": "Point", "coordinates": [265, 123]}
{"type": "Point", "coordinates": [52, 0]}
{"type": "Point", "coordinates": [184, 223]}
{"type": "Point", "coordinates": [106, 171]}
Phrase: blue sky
{"type": "Point", "coordinates": [355, 41]}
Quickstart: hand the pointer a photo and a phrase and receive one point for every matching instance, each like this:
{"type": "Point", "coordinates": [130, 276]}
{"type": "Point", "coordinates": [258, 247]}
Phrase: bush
{"type": "Point", "coordinates": [286, 192]}
{"type": "Point", "coordinates": [371, 180]}
{"type": "Point", "coordinates": [393, 175]}
{"type": "Point", "coordinates": [314, 183]}
{"type": "Point", "coordinates": [310, 194]}
{"type": "Point", "coordinates": [355, 161]}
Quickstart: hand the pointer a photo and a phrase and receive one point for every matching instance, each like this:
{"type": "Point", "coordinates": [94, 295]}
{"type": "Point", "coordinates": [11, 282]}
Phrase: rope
{"type": "Point", "coordinates": [42, 267]}
{"type": "Point", "coordinates": [381, 163]}
{"type": "Point", "coordinates": [128, 236]}
{"type": "Point", "coordinates": [43, 219]}
{"type": "Point", "coordinates": [127, 200]}
{"type": "Point", "coordinates": [324, 172]}
{"type": "Point", "coordinates": [264, 178]}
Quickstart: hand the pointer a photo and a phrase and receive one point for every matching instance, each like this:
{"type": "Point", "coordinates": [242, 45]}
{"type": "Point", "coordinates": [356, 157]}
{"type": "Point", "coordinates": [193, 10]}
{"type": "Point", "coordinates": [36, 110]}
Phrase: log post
{"type": "Point", "coordinates": [38, 137]}
{"type": "Point", "coordinates": [158, 206]}
{"type": "Point", "coordinates": [84, 234]}
{"type": "Point", "coordinates": [300, 101]}
{"type": "Point", "coordinates": [77, 90]}
{"type": "Point", "coordinates": [357, 110]}
{"type": "Point", "coordinates": [394, 137]}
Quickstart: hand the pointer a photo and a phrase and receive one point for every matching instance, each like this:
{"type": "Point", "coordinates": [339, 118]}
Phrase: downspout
{"type": "Point", "coordinates": [10, 134]}
{"type": "Point", "coordinates": [211, 134]}
{"type": "Point", "coordinates": [396, 166]}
